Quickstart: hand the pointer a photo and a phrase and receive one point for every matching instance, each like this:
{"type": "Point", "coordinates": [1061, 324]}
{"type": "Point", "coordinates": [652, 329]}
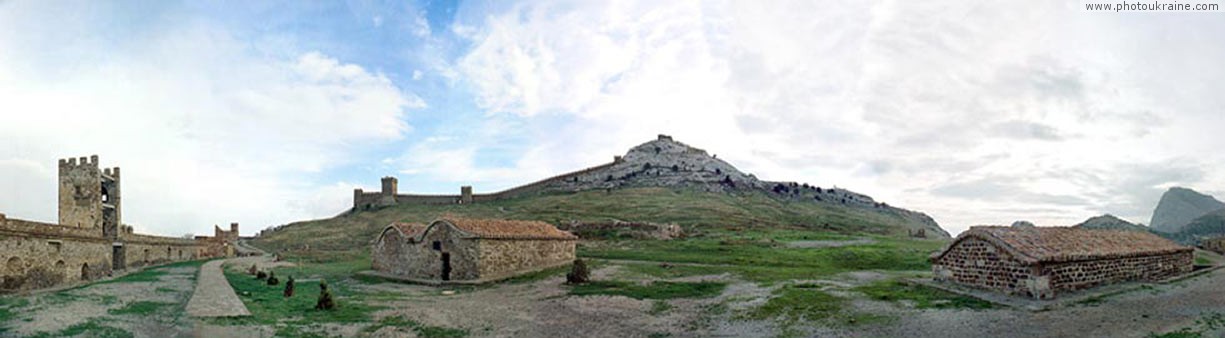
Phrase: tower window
{"type": "Point", "coordinates": [438, 245]}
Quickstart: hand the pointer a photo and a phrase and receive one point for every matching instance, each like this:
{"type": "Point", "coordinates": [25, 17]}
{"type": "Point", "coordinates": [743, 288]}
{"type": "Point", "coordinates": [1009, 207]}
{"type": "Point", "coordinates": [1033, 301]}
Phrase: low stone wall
{"type": "Point", "coordinates": [635, 230]}
{"type": "Point", "coordinates": [1086, 274]}
{"type": "Point", "coordinates": [1216, 245]}
{"type": "Point", "coordinates": [977, 263]}
{"type": "Point", "coordinates": [500, 258]}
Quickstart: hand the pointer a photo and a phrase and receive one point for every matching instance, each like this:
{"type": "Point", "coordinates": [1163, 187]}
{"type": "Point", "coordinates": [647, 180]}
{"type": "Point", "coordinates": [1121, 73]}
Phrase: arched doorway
{"type": "Point", "coordinates": [14, 266]}
{"type": "Point", "coordinates": [85, 271]}
{"type": "Point", "coordinates": [61, 269]}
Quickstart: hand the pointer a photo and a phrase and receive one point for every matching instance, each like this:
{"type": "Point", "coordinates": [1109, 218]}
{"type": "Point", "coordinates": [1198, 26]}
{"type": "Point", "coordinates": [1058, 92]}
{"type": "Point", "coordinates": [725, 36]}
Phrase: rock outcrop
{"type": "Point", "coordinates": [1179, 206]}
{"type": "Point", "coordinates": [664, 162]}
{"type": "Point", "coordinates": [1022, 224]}
{"type": "Point", "coordinates": [1109, 222]}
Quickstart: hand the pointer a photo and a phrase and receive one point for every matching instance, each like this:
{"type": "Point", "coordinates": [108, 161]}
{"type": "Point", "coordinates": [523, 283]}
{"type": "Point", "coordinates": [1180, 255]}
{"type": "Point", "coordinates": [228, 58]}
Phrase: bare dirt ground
{"type": "Point", "coordinates": [543, 308]}
{"type": "Point", "coordinates": [98, 306]}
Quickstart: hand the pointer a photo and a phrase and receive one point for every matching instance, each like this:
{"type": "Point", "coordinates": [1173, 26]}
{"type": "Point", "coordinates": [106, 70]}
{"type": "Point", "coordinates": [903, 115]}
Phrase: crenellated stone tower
{"type": "Point", "coordinates": [90, 196]}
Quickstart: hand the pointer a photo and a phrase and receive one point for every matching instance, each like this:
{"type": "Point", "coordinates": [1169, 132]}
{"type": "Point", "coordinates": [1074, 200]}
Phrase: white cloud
{"type": "Point", "coordinates": [207, 128]}
{"type": "Point", "coordinates": [895, 99]}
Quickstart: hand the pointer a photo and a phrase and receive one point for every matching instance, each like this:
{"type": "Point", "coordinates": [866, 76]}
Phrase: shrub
{"type": "Point", "coordinates": [252, 270]}
{"type": "Point", "coordinates": [260, 275]}
{"type": "Point", "coordinates": [289, 287]}
{"type": "Point", "coordinates": [272, 280]}
{"type": "Point", "coordinates": [325, 297]}
{"type": "Point", "coordinates": [41, 277]}
{"type": "Point", "coordinates": [579, 273]}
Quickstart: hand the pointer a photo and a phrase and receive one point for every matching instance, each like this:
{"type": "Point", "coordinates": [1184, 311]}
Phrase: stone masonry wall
{"type": "Point", "coordinates": [500, 258]}
{"type": "Point", "coordinates": [395, 255]}
{"type": "Point", "coordinates": [38, 255]}
{"type": "Point", "coordinates": [977, 263]}
{"type": "Point", "coordinates": [1086, 274]}
{"type": "Point", "coordinates": [80, 194]}
{"type": "Point", "coordinates": [1216, 245]}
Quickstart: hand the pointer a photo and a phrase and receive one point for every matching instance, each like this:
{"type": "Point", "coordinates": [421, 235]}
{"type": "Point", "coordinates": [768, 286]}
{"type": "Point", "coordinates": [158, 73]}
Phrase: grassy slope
{"type": "Point", "coordinates": [688, 208]}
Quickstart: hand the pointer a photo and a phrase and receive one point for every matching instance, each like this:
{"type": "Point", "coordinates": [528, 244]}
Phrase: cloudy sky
{"type": "Point", "coordinates": [269, 112]}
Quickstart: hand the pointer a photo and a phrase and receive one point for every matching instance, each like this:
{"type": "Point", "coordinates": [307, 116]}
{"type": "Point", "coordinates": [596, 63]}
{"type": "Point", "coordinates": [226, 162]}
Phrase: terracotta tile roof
{"type": "Point", "coordinates": [507, 229]}
{"type": "Point", "coordinates": [411, 231]}
{"type": "Point", "coordinates": [1063, 244]}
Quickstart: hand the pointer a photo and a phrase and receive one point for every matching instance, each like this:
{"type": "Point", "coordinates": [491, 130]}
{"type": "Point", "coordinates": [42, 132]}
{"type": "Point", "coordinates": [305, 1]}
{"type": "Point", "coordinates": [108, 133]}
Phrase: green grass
{"type": "Point", "coordinates": [1206, 324]}
{"type": "Point", "coordinates": [424, 331]}
{"type": "Point", "coordinates": [655, 290]}
{"type": "Point", "coordinates": [761, 255]}
{"type": "Point", "coordinates": [1202, 261]}
{"type": "Point", "coordinates": [153, 274]}
{"type": "Point", "coordinates": [141, 308]}
{"type": "Point", "coordinates": [922, 296]}
{"type": "Point", "coordinates": [9, 308]}
{"type": "Point", "coordinates": [659, 307]}
{"type": "Point", "coordinates": [804, 302]}
{"type": "Point", "coordinates": [147, 275]}
{"type": "Point", "coordinates": [690, 209]}
{"type": "Point", "coordinates": [800, 303]}
{"type": "Point", "coordinates": [91, 328]}
{"type": "Point", "coordinates": [268, 305]}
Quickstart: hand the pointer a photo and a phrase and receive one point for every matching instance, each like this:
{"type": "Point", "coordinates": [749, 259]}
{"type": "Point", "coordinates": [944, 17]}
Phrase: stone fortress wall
{"type": "Point", "coordinates": [89, 241]}
{"type": "Point", "coordinates": [390, 196]}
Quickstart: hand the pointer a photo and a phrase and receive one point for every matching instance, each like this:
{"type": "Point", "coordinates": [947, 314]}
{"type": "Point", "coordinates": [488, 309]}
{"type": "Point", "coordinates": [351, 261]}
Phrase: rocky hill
{"type": "Point", "coordinates": [661, 181]}
{"type": "Point", "coordinates": [1179, 206]}
{"type": "Point", "coordinates": [1110, 222]}
{"type": "Point", "coordinates": [667, 163]}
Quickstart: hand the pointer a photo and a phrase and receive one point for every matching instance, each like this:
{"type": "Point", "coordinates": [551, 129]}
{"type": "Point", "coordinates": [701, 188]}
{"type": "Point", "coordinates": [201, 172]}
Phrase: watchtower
{"type": "Point", "coordinates": [465, 194]}
{"type": "Point", "coordinates": [89, 197]}
{"type": "Point", "coordinates": [390, 187]}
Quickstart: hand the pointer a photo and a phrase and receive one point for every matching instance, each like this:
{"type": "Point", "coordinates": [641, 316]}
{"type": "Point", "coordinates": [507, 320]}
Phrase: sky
{"type": "Point", "coordinates": [269, 112]}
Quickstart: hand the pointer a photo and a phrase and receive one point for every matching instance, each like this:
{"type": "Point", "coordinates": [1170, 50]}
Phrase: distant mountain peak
{"type": "Point", "coordinates": [1108, 221]}
{"type": "Point", "coordinates": [1179, 206]}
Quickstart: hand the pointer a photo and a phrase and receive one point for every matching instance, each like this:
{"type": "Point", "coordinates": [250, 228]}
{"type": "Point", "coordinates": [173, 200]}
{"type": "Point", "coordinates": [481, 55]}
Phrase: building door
{"type": "Point", "coordinates": [446, 266]}
{"type": "Point", "coordinates": [117, 260]}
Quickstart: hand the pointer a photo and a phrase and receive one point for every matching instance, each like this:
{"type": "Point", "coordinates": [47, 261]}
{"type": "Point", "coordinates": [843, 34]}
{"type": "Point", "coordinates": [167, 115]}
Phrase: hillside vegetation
{"type": "Point", "coordinates": [689, 208]}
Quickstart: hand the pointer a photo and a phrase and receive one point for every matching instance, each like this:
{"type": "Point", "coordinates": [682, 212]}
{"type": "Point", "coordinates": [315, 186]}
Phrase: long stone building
{"type": "Point", "coordinates": [456, 250]}
{"type": "Point", "coordinates": [89, 241]}
{"type": "Point", "coordinates": [1040, 262]}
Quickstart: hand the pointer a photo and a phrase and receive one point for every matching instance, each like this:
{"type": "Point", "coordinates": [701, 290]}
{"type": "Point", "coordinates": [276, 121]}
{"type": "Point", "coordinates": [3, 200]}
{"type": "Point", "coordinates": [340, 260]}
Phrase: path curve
{"type": "Point", "coordinates": [213, 296]}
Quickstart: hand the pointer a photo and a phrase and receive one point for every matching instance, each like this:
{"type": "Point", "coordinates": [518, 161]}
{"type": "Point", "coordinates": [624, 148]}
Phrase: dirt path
{"type": "Point", "coordinates": [829, 243]}
{"type": "Point", "coordinates": [213, 296]}
{"type": "Point", "coordinates": [143, 304]}
{"type": "Point", "coordinates": [1163, 308]}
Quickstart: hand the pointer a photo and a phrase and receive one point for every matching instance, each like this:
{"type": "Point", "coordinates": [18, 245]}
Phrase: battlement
{"type": "Point", "coordinates": [663, 137]}
{"type": "Point", "coordinates": [91, 161]}
{"type": "Point", "coordinates": [112, 172]}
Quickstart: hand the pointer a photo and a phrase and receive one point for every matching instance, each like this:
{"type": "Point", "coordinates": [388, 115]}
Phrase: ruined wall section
{"type": "Point", "coordinates": [501, 258]}
{"type": "Point", "coordinates": [39, 255]}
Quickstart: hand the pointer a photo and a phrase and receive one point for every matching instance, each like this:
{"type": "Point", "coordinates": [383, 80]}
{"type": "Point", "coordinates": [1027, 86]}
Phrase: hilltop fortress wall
{"type": "Point", "coordinates": [89, 241]}
{"type": "Point", "coordinates": [390, 196]}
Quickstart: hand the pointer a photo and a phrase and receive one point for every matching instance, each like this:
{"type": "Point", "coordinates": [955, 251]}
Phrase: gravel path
{"type": "Point", "coordinates": [214, 297]}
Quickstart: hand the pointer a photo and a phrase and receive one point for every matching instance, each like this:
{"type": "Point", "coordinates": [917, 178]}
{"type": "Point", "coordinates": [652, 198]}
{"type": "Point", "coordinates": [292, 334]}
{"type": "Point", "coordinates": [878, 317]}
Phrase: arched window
{"type": "Point", "coordinates": [85, 271]}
